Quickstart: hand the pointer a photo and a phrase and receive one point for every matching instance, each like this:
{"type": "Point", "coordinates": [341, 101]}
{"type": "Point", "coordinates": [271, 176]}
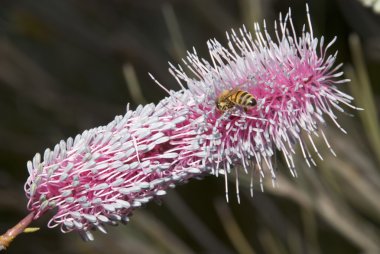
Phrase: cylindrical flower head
{"type": "Point", "coordinates": [103, 174]}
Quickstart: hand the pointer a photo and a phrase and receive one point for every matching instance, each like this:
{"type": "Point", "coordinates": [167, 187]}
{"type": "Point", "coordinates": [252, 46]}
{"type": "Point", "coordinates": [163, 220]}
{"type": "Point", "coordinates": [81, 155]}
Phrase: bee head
{"type": "Point", "coordinates": [221, 105]}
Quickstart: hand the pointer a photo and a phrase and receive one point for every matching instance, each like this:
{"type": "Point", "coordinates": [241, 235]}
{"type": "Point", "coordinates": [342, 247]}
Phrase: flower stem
{"type": "Point", "coordinates": [7, 238]}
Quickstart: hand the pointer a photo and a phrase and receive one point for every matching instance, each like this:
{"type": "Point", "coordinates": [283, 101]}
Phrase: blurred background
{"type": "Point", "coordinates": [66, 66]}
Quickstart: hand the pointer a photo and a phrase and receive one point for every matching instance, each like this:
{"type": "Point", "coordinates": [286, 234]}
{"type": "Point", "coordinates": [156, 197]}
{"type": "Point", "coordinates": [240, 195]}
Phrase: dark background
{"type": "Point", "coordinates": [66, 66]}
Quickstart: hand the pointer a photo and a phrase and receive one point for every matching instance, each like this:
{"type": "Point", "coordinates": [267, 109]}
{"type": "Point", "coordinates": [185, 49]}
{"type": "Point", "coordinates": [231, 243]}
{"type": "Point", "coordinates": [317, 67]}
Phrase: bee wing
{"type": "Point", "coordinates": [233, 90]}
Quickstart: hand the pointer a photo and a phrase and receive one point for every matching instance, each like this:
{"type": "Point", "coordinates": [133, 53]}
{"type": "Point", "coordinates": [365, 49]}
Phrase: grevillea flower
{"type": "Point", "coordinates": [103, 174]}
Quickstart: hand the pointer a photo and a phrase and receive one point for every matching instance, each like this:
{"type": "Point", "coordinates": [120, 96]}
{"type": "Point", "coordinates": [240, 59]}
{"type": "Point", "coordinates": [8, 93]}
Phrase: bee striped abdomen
{"type": "Point", "coordinates": [242, 98]}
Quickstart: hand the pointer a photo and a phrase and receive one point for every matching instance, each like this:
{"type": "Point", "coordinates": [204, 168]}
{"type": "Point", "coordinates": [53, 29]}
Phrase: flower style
{"type": "Point", "coordinates": [103, 174]}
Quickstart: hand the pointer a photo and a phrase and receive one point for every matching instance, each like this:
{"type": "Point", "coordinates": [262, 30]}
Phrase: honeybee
{"type": "Point", "coordinates": [235, 97]}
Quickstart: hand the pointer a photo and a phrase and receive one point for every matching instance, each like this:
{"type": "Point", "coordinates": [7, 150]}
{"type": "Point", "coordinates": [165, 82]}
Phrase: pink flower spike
{"type": "Point", "coordinates": [105, 173]}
